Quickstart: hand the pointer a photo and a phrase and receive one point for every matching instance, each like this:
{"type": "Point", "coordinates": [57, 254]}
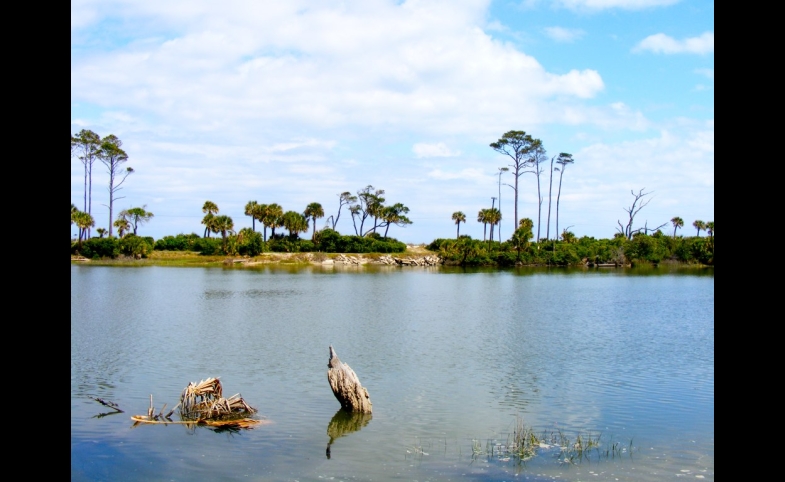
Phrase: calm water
{"type": "Point", "coordinates": [450, 359]}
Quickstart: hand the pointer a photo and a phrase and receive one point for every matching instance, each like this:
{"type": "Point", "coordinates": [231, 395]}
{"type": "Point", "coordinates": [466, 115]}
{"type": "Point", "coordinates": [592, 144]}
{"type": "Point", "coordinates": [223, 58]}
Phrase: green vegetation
{"type": "Point", "coordinates": [523, 444]}
{"type": "Point", "coordinates": [372, 218]}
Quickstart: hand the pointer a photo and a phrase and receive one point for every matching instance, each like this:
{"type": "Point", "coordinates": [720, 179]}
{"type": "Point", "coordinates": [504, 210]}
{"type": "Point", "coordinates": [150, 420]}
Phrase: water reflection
{"type": "Point", "coordinates": [345, 422]}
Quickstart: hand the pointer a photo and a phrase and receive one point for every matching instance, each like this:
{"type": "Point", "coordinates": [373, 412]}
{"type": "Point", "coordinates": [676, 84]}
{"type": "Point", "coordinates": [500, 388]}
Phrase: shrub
{"type": "Point", "coordinates": [181, 242]}
{"type": "Point", "coordinates": [95, 248]}
{"type": "Point", "coordinates": [208, 246]}
{"type": "Point", "coordinates": [136, 246]}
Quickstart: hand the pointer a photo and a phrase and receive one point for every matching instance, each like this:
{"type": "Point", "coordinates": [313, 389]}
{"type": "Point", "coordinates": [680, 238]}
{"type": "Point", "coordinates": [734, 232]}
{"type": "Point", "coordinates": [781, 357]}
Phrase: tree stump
{"type": "Point", "coordinates": [346, 386]}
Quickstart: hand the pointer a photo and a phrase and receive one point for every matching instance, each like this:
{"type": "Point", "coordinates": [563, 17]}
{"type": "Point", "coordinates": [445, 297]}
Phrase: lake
{"type": "Point", "coordinates": [453, 360]}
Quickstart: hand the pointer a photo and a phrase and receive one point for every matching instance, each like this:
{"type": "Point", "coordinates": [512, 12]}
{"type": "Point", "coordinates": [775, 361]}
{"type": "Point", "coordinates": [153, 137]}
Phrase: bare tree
{"type": "Point", "coordinates": [344, 199]}
{"type": "Point", "coordinates": [538, 156]}
{"type": "Point", "coordinates": [632, 211]}
{"type": "Point", "coordinates": [517, 146]}
{"type": "Point", "coordinates": [113, 157]}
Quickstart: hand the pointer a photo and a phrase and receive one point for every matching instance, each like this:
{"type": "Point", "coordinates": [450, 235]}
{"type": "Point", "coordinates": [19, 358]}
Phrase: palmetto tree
{"type": "Point", "coordinates": [563, 160]}
{"type": "Point", "coordinates": [271, 217]}
{"type": "Point", "coordinates": [224, 225]}
{"type": "Point", "coordinates": [710, 228]}
{"type": "Point", "coordinates": [258, 214]}
{"type": "Point", "coordinates": [314, 211]}
{"type": "Point", "coordinates": [677, 223]}
{"type": "Point", "coordinates": [520, 238]}
{"type": "Point", "coordinates": [295, 223]}
{"type": "Point", "coordinates": [699, 225]}
{"type": "Point", "coordinates": [122, 225]}
{"type": "Point", "coordinates": [568, 236]}
{"type": "Point", "coordinates": [250, 210]}
{"type": "Point", "coordinates": [482, 217]}
{"type": "Point", "coordinates": [494, 218]}
{"type": "Point", "coordinates": [84, 222]}
{"type": "Point", "coordinates": [136, 216]}
{"type": "Point", "coordinates": [210, 209]}
{"type": "Point", "coordinates": [459, 218]}
{"type": "Point", "coordinates": [395, 214]}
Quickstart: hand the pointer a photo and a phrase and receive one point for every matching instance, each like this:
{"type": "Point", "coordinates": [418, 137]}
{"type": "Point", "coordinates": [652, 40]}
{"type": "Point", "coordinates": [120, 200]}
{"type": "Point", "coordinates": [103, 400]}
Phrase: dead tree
{"type": "Point", "coordinates": [346, 386]}
{"type": "Point", "coordinates": [634, 209]}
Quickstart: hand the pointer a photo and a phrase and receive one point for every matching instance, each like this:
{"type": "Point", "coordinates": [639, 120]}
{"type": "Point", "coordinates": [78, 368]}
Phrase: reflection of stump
{"type": "Point", "coordinates": [344, 423]}
{"type": "Point", "coordinates": [346, 386]}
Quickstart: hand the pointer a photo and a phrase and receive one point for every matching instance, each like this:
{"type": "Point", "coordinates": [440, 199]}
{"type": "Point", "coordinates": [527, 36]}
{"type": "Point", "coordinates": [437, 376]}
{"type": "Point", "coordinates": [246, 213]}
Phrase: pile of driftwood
{"type": "Point", "coordinates": [203, 404]}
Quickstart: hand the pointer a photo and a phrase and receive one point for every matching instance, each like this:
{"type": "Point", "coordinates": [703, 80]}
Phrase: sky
{"type": "Point", "coordinates": [296, 102]}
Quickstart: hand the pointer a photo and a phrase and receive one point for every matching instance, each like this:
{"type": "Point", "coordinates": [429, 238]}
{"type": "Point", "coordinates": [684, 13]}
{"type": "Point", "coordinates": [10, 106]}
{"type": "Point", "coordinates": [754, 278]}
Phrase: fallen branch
{"type": "Point", "coordinates": [107, 403]}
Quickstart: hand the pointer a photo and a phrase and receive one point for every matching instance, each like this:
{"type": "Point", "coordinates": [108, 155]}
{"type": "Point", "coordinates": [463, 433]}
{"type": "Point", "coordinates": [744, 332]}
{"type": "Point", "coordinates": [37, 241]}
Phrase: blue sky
{"type": "Point", "coordinates": [295, 102]}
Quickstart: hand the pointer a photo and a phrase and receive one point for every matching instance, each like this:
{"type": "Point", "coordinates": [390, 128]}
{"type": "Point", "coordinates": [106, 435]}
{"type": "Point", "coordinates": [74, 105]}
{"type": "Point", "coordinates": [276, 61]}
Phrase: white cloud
{"type": "Point", "coordinates": [621, 4]}
{"type": "Point", "coordinates": [408, 66]}
{"type": "Point", "coordinates": [705, 72]}
{"type": "Point", "coordinates": [663, 44]}
{"type": "Point", "coordinates": [438, 149]}
{"type": "Point", "coordinates": [561, 34]}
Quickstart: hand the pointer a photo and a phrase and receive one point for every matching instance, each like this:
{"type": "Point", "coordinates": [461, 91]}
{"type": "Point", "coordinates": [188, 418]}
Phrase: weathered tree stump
{"type": "Point", "coordinates": [346, 386]}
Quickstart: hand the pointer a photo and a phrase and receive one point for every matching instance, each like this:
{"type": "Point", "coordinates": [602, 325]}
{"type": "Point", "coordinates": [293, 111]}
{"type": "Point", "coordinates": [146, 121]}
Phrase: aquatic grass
{"type": "Point", "coordinates": [524, 443]}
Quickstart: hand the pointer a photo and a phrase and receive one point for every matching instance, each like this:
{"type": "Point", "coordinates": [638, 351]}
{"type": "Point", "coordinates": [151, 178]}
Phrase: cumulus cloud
{"type": "Point", "coordinates": [414, 65]}
{"type": "Point", "coordinates": [561, 34]}
{"type": "Point", "coordinates": [438, 149]}
{"type": "Point", "coordinates": [663, 44]}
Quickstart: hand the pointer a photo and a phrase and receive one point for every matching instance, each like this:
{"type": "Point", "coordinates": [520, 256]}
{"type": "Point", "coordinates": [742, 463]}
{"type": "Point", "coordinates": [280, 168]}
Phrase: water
{"type": "Point", "coordinates": [451, 359]}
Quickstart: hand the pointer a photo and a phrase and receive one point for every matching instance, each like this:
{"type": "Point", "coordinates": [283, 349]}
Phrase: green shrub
{"type": "Point", "coordinates": [181, 242]}
{"type": "Point", "coordinates": [209, 246]}
{"type": "Point", "coordinates": [250, 244]}
{"type": "Point", "coordinates": [96, 248]}
{"type": "Point", "coordinates": [136, 246]}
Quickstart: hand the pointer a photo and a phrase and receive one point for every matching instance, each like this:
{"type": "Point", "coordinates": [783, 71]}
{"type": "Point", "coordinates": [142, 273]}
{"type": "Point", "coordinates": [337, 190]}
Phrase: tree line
{"type": "Point", "coordinates": [371, 216]}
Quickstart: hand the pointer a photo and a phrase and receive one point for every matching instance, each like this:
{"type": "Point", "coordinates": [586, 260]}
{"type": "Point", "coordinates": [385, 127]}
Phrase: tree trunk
{"type": "Point", "coordinates": [346, 386]}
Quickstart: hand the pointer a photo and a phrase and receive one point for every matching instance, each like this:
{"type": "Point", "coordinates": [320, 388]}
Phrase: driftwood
{"type": "Point", "coordinates": [346, 386]}
{"type": "Point", "coordinates": [203, 404]}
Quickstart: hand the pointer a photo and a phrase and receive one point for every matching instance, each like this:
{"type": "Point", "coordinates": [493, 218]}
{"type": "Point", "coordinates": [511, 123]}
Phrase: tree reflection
{"type": "Point", "coordinates": [345, 422]}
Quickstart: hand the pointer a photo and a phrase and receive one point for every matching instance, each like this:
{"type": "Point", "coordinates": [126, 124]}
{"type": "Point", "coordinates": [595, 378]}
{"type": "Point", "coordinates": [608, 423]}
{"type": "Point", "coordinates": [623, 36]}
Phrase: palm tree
{"type": "Point", "coordinates": [84, 222]}
{"type": "Point", "coordinates": [395, 214]}
{"type": "Point", "coordinates": [563, 160]}
{"type": "Point", "coordinates": [677, 223]}
{"type": "Point", "coordinates": [272, 217]}
{"type": "Point", "coordinates": [210, 209]}
{"type": "Point", "coordinates": [568, 236]}
{"type": "Point", "coordinates": [224, 225]}
{"type": "Point", "coordinates": [520, 238]}
{"type": "Point", "coordinates": [250, 210]}
{"type": "Point", "coordinates": [295, 223]}
{"type": "Point", "coordinates": [122, 226]}
{"type": "Point", "coordinates": [494, 218]}
{"type": "Point", "coordinates": [482, 217]}
{"type": "Point", "coordinates": [699, 225]}
{"type": "Point", "coordinates": [459, 218]}
{"type": "Point", "coordinates": [710, 228]}
{"type": "Point", "coordinates": [258, 214]}
{"type": "Point", "coordinates": [101, 232]}
{"type": "Point", "coordinates": [314, 211]}
{"type": "Point", "coordinates": [136, 216]}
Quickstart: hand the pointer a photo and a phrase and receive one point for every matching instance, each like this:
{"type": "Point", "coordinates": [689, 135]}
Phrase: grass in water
{"type": "Point", "coordinates": [524, 443]}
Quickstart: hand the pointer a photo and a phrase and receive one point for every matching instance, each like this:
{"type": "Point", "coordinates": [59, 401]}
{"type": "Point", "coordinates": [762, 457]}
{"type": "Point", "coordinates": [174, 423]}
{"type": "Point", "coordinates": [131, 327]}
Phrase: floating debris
{"type": "Point", "coordinates": [203, 404]}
